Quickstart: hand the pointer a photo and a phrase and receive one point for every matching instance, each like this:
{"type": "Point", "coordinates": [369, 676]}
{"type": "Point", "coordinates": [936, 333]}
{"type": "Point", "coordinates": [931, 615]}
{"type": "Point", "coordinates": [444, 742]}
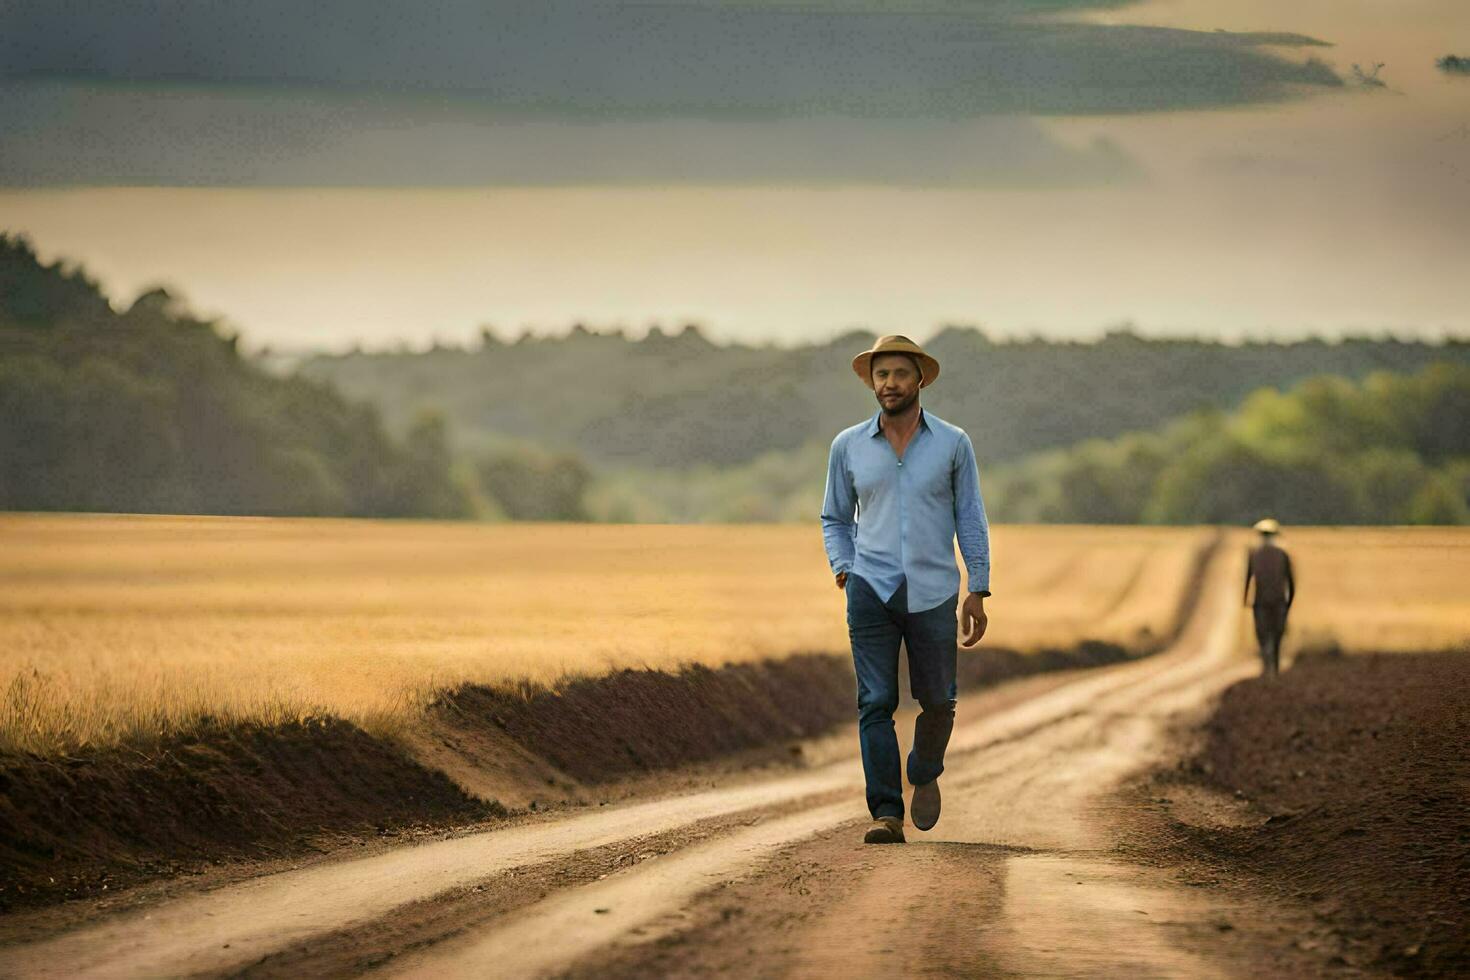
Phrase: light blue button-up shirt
{"type": "Point", "coordinates": [908, 511]}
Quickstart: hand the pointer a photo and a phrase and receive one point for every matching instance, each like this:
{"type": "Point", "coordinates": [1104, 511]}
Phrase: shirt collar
{"type": "Point", "coordinates": [873, 427]}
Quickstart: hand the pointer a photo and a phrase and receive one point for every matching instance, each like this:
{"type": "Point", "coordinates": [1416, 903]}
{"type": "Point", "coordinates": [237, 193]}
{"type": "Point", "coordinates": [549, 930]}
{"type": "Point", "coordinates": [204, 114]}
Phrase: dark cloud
{"type": "Point", "coordinates": [605, 58]}
{"type": "Point", "coordinates": [63, 133]}
{"type": "Point", "coordinates": [454, 91]}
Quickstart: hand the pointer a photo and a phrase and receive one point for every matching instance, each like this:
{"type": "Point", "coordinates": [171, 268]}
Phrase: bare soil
{"type": "Point", "coordinates": [1351, 777]}
{"type": "Point", "coordinates": [90, 824]}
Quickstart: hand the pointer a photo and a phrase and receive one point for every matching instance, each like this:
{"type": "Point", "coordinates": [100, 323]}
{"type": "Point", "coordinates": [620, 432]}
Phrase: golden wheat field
{"type": "Point", "coordinates": [115, 625]}
{"type": "Point", "coordinates": [1392, 589]}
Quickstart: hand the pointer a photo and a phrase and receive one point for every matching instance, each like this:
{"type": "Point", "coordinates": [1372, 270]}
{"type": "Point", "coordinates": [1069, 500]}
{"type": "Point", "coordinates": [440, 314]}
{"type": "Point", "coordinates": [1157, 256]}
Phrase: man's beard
{"type": "Point", "coordinates": [899, 406]}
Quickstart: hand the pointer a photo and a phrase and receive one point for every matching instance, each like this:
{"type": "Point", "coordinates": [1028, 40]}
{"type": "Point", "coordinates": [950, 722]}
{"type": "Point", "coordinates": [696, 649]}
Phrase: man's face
{"type": "Point", "coordinates": [895, 382]}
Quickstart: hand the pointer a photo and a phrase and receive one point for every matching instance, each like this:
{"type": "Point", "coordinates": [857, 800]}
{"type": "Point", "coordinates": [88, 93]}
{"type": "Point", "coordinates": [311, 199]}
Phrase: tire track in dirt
{"type": "Point", "coordinates": [242, 923]}
{"type": "Point", "coordinates": [349, 952]}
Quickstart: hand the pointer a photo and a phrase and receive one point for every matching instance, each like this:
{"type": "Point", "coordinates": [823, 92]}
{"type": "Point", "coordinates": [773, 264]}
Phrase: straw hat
{"type": "Point", "coordinates": [896, 344]}
{"type": "Point", "coordinates": [1267, 525]}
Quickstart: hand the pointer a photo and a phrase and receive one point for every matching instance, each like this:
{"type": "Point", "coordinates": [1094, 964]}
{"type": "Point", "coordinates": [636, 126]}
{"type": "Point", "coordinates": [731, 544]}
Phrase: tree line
{"type": "Point", "coordinates": [1392, 449]}
{"type": "Point", "coordinates": [677, 401]}
{"type": "Point", "coordinates": [152, 409]}
{"type": "Point", "coordinates": [1389, 449]}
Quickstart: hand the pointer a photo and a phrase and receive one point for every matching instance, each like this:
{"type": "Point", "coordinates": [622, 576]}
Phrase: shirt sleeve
{"type": "Point", "coordinates": [971, 527]}
{"type": "Point", "coordinates": [839, 509]}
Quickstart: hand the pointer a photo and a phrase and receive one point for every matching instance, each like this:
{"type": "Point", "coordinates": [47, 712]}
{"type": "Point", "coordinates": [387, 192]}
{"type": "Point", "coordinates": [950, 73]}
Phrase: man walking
{"type": "Point", "coordinates": [900, 488]}
{"type": "Point", "coordinates": [1270, 566]}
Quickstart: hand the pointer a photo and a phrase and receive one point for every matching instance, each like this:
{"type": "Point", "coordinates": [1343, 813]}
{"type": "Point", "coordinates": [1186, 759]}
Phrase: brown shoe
{"type": "Point", "coordinates": [925, 806]}
{"type": "Point", "coordinates": [885, 830]}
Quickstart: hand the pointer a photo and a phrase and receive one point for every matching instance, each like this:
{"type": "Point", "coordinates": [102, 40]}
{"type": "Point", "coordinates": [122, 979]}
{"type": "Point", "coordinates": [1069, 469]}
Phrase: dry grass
{"type": "Point", "coordinates": [113, 627]}
{"type": "Point", "coordinates": [1057, 584]}
{"type": "Point", "coordinates": [1396, 589]}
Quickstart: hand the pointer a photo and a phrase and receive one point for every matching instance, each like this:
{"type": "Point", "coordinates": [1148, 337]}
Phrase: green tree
{"type": "Point", "coordinates": [156, 410]}
{"type": "Point", "coordinates": [1231, 482]}
{"type": "Point", "coordinates": [537, 486]}
{"type": "Point", "coordinates": [425, 483]}
{"type": "Point", "coordinates": [1441, 500]}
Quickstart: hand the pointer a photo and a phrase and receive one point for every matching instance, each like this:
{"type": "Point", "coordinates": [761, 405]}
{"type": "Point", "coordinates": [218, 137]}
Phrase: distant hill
{"type": "Point", "coordinates": [151, 410]}
{"type": "Point", "coordinates": [677, 401]}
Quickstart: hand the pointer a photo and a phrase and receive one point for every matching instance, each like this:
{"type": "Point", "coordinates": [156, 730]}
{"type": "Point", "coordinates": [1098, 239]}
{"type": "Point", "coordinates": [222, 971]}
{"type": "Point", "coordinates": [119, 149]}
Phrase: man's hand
{"type": "Point", "coordinates": [842, 580]}
{"type": "Point", "coordinates": [973, 618]}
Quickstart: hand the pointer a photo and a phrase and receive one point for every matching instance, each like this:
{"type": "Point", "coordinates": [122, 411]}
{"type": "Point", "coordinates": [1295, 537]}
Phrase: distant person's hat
{"type": "Point", "coordinates": [896, 344]}
{"type": "Point", "coordinates": [1267, 525]}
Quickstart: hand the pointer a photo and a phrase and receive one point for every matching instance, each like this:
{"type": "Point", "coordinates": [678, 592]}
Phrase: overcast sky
{"type": "Point", "coordinates": [363, 170]}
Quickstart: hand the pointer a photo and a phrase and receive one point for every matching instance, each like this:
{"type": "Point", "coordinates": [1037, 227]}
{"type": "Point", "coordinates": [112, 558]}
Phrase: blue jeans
{"type": "Point", "coordinates": [875, 628]}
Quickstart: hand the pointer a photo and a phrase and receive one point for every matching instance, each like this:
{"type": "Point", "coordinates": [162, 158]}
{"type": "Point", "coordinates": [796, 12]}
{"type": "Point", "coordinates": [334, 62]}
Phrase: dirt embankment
{"type": "Point", "coordinates": [1357, 772]}
{"type": "Point", "coordinates": [93, 822]}
{"type": "Point", "coordinates": [631, 722]}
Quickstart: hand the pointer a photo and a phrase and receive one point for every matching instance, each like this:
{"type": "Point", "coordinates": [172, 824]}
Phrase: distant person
{"type": "Point", "coordinates": [1270, 566]}
{"type": "Point", "coordinates": [900, 488]}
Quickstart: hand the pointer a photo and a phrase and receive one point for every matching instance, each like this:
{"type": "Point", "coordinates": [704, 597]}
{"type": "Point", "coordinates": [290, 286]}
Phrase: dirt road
{"type": "Point", "coordinates": [765, 877]}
